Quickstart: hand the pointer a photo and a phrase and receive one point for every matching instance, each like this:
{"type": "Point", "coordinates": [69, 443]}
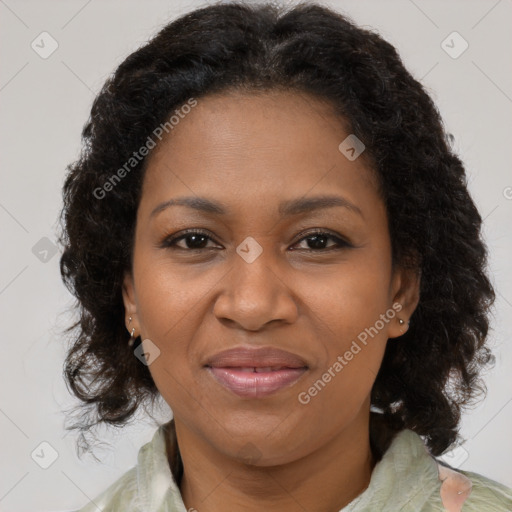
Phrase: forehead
{"type": "Point", "coordinates": [241, 146]}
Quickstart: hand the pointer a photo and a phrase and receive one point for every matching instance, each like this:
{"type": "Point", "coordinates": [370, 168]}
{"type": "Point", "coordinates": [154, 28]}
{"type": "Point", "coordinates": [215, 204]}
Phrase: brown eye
{"type": "Point", "coordinates": [193, 240]}
{"type": "Point", "coordinates": [318, 241]}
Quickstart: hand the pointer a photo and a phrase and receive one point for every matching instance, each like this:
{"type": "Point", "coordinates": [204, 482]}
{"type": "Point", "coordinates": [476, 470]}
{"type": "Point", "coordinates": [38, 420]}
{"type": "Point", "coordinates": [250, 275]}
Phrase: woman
{"type": "Point", "coordinates": [267, 227]}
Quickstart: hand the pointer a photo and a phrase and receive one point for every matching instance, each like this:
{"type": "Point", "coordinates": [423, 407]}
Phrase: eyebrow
{"type": "Point", "coordinates": [286, 208]}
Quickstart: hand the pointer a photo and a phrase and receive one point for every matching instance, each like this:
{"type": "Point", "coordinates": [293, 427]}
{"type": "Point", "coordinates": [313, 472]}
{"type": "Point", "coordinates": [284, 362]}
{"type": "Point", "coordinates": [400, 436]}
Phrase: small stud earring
{"type": "Point", "coordinates": [400, 321]}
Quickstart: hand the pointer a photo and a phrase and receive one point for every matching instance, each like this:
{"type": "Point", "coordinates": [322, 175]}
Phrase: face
{"type": "Point", "coordinates": [267, 266]}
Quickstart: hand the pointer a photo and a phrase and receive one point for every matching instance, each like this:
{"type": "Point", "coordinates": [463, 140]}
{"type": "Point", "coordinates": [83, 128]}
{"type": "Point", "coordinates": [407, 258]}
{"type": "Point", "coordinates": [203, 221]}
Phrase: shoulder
{"type": "Point", "coordinates": [121, 495]}
{"type": "Point", "coordinates": [148, 486]}
{"type": "Point", "coordinates": [487, 495]}
{"type": "Point", "coordinates": [466, 491]}
{"type": "Point", "coordinates": [410, 479]}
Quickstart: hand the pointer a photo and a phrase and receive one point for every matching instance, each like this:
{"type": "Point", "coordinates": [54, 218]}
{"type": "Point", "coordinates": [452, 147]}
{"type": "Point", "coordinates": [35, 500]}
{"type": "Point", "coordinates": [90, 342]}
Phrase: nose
{"type": "Point", "coordinates": [255, 294]}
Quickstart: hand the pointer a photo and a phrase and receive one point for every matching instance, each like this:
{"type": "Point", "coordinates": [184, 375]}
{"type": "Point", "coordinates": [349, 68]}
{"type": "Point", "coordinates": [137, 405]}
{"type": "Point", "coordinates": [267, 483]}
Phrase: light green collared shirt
{"type": "Point", "coordinates": [406, 479]}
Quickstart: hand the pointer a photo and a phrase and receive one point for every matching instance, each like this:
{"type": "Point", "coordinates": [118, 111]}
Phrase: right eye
{"type": "Point", "coordinates": [194, 240]}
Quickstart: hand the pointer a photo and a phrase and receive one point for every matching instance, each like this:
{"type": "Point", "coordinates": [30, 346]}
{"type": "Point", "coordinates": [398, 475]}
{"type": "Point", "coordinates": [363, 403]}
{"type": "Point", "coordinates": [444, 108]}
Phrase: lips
{"type": "Point", "coordinates": [256, 357]}
{"type": "Point", "coordinates": [256, 372]}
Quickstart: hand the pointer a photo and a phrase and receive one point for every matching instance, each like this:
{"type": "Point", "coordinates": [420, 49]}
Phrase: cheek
{"type": "Point", "coordinates": [351, 298]}
{"type": "Point", "coordinates": [352, 315]}
{"type": "Point", "coordinates": [168, 299]}
{"type": "Point", "coordinates": [353, 348]}
{"type": "Point", "coordinates": [171, 306]}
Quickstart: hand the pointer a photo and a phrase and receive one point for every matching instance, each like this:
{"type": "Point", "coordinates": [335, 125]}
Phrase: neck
{"type": "Point", "coordinates": [325, 480]}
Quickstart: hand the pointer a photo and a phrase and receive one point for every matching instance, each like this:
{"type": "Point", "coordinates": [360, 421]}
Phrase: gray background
{"type": "Point", "coordinates": [43, 106]}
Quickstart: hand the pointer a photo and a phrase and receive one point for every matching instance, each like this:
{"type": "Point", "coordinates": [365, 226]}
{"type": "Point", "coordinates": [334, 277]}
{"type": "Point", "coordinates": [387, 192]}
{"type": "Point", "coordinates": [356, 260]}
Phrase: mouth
{"type": "Point", "coordinates": [257, 369]}
{"type": "Point", "coordinates": [256, 382]}
{"type": "Point", "coordinates": [255, 372]}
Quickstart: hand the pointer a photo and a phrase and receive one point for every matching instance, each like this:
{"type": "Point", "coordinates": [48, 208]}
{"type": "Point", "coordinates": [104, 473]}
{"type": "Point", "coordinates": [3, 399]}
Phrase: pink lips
{"type": "Point", "coordinates": [256, 372]}
{"type": "Point", "coordinates": [253, 384]}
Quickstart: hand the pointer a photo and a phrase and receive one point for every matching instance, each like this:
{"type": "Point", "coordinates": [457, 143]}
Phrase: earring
{"type": "Point", "coordinates": [132, 338]}
{"type": "Point", "coordinates": [403, 322]}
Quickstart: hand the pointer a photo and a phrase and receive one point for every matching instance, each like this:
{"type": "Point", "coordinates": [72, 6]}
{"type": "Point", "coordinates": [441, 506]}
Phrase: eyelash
{"type": "Point", "coordinates": [169, 242]}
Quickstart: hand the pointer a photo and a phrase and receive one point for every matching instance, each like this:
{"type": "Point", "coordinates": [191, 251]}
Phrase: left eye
{"type": "Point", "coordinates": [319, 239]}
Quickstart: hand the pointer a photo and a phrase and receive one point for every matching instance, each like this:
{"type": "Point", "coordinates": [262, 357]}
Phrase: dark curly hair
{"type": "Point", "coordinates": [428, 374]}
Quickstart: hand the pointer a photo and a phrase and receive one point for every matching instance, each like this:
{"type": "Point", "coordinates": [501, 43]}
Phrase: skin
{"type": "Point", "coordinates": [251, 152]}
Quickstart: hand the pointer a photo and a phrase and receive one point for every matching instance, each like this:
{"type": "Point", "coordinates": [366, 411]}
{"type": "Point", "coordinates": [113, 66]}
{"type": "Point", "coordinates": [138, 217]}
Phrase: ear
{"type": "Point", "coordinates": [129, 300]}
{"type": "Point", "coordinates": [405, 292]}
